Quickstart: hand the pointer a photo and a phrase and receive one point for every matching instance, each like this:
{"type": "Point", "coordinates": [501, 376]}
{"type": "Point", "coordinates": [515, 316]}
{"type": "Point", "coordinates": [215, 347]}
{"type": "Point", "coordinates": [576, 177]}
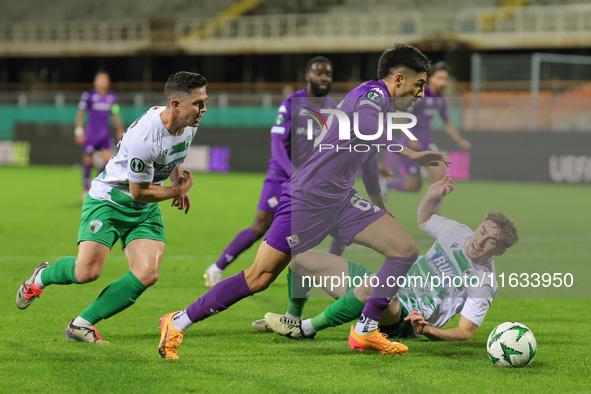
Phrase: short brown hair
{"type": "Point", "coordinates": [509, 235]}
{"type": "Point", "coordinates": [182, 84]}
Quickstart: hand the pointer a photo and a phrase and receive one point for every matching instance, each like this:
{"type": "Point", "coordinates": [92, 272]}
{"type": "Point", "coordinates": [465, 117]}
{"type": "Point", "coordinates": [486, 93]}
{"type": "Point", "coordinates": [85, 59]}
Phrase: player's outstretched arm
{"type": "Point", "coordinates": [427, 207]}
{"type": "Point", "coordinates": [147, 192]}
{"type": "Point", "coordinates": [465, 330]}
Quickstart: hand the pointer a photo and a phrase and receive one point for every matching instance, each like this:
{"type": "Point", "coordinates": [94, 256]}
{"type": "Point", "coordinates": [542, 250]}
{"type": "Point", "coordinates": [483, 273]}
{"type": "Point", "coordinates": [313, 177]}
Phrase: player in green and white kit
{"type": "Point", "coordinates": [122, 204]}
{"type": "Point", "coordinates": [456, 276]}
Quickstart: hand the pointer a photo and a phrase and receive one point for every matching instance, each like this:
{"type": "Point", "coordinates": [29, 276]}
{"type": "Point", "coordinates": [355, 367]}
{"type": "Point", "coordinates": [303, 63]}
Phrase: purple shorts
{"type": "Point", "coordinates": [95, 143]}
{"type": "Point", "coordinates": [302, 222]}
{"type": "Point", "coordinates": [270, 195]}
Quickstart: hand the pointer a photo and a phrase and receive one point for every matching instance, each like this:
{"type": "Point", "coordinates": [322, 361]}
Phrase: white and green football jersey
{"type": "Point", "coordinates": [451, 283]}
{"type": "Point", "coordinates": [146, 153]}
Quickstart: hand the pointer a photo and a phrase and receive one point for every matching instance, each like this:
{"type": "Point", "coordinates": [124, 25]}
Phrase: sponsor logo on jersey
{"type": "Point", "coordinates": [293, 240]}
{"type": "Point", "coordinates": [162, 172]}
{"type": "Point", "coordinates": [439, 265]}
{"type": "Point", "coordinates": [282, 109]}
{"type": "Point", "coordinates": [279, 119]}
{"type": "Point", "coordinates": [454, 245]}
{"type": "Point", "coordinates": [273, 202]}
{"type": "Point", "coordinates": [101, 106]}
{"type": "Point", "coordinates": [136, 165]}
{"type": "Point", "coordinates": [95, 226]}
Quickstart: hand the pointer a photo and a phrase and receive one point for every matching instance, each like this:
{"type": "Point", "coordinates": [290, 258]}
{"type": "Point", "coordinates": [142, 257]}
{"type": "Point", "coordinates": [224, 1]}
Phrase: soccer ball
{"type": "Point", "coordinates": [511, 344]}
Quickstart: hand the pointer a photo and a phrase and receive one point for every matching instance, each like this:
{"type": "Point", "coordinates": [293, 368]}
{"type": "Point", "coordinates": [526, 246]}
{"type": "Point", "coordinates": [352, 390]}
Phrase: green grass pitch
{"type": "Point", "coordinates": [40, 213]}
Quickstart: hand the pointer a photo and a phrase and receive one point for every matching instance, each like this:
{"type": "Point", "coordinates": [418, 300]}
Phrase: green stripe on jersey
{"type": "Point", "coordinates": [462, 260]}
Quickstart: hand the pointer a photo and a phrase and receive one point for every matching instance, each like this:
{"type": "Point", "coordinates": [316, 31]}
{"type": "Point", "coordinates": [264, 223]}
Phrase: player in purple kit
{"type": "Point", "coordinates": [100, 103]}
{"type": "Point", "coordinates": [289, 149]}
{"type": "Point", "coordinates": [320, 200]}
{"type": "Point", "coordinates": [425, 110]}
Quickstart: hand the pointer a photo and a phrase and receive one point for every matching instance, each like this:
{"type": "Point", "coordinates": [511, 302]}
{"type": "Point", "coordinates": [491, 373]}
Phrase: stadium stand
{"type": "Point", "coordinates": [274, 26]}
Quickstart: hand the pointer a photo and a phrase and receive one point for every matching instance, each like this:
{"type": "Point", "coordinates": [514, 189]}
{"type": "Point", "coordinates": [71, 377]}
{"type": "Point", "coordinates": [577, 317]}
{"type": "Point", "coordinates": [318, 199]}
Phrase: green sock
{"type": "Point", "coordinates": [298, 295]}
{"type": "Point", "coordinates": [116, 297]}
{"type": "Point", "coordinates": [62, 272]}
{"type": "Point", "coordinates": [343, 310]}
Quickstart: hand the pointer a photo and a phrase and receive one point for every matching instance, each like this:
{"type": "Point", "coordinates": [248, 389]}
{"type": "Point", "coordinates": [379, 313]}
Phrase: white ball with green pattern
{"type": "Point", "coordinates": [511, 344]}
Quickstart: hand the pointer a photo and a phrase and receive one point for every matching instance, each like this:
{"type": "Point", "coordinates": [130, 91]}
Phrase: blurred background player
{"type": "Point", "coordinates": [457, 251]}
{"type": "Point", "coordinates": [284, 156]}
{"type": "Point", "coordinates": [122, 204]}
{"type": "Point", "coordinates": [432, 104]}
{"type": "Point", "coordinates": [101, 104]}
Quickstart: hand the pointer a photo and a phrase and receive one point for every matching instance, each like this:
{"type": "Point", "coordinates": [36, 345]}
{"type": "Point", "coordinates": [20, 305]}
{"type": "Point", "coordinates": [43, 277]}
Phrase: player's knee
{"type": "Point", "coordinates": [364, 291]}
{"type": "Point", "coordinates": [146, 277]}
{"type": "Point", "coordinates": [87, 275]}
{"type": "Point", "coordinates": [410, 250]}
{"type": "Point", "coordinates": [149, 279]}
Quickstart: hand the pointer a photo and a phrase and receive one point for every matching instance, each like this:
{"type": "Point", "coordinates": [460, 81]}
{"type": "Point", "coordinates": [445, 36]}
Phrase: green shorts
{"type": "Point", "coordinates": [105, 222]}
{"type": "Point", "coordinates": [401, 329]}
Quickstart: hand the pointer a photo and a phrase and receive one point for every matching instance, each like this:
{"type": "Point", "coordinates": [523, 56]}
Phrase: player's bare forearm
{"type": "Point", "coordinates": [79, 130]}
{"type": "Point", "coordinates": [465, 330]}
{"type": "Point", "coordinates": [448, 334]}
{"type": "Point", "coordinates": [426, 209]}
{"type": "Point", "coordinates": [80, 118]}
{"type": "Point", "coordinates": [154, 193]}
{"type": "Point", "coordinates": [147, 192]}
{"type": "Point", "coordinates": [427, 206]}
{"type": "Point", "coordinates": [425, 158]}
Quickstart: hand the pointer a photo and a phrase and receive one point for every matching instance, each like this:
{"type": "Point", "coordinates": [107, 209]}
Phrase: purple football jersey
{"type": "Point", "coordinates": [289, 130]}
{"type": "Point", "coordinates": [99, 110]}
{"type": "Point", "coordinates": [330, 174]}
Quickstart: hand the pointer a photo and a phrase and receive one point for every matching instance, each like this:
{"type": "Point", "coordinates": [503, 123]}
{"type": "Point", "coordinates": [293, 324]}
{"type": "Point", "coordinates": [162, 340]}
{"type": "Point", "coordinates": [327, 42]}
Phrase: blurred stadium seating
{"type": "Point", "coordinates": [257, 26]}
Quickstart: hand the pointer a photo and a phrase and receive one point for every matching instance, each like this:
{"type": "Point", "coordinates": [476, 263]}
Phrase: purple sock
{"type": "Point", "coordinates": [397, 184]}
{"type": "Point", "coordinates": [221, 296]}
{"type": "Point", "coordinates": [243, 240]}
{"type": "Point", "coordinates": [337, 247]}
{"type": "Point", "coordinates": [86, 175]}
{"type": "Point", "coordinates": [392, 268]}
